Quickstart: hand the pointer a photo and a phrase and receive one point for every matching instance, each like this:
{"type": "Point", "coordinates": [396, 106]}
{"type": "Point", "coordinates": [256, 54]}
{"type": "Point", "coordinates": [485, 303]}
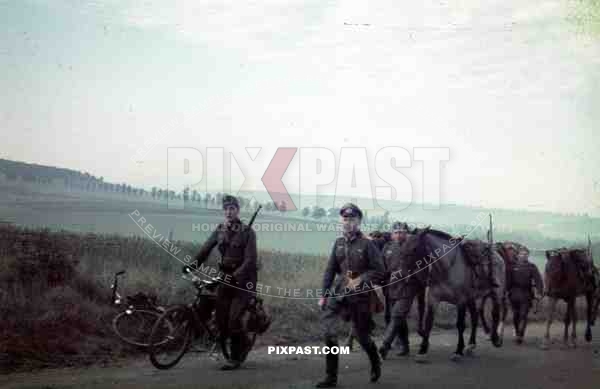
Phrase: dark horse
{"type": "Point", "coordinates": [453, 279]}
{"type": "Point", "coordinates": [564, 281]}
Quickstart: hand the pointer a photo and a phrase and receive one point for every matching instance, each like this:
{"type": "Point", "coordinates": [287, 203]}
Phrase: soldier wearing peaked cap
{"type": "Point", "coordinates": [356, 265]}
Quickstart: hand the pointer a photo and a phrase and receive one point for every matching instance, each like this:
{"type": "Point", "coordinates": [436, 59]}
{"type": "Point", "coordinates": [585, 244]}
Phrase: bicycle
{"type": "Point", "coordinates": [194, 322]}
{"type": "Point", "coordinates": [134, 324]}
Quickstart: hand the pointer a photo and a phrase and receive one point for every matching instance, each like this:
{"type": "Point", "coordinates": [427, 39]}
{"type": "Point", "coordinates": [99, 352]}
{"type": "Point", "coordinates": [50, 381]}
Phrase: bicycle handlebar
{"type": "Point", "coordinates": [200, 283]}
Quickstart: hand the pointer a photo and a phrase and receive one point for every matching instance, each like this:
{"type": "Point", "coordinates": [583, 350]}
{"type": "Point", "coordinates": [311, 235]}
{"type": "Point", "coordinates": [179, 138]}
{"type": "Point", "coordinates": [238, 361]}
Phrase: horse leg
{"type": "Point", "coordinates": [473, 313]}
{"type": "Point", "coordinates": [589, 299]}
{"type": "Point", "coordinates": [421, 309]}
{"type": "Point", "coordinates": [481, 313]}
{"type": "Point", "coordinates": [428, 325]}
{"type": "Point", "coordinates": [574, 318]}
{"type": "Point", "coordinates": [549, 316]}
{"type": "Point", "coordinates": [595, 296]}
{"type": "Point", "coordinates": [498, 325]}
{"type": "Point", "coordinates": [460, 326]}
{"type": "Point", "coordinates": [567, 322]}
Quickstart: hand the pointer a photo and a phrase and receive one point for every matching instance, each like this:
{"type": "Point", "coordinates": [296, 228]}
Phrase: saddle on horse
{"type": "Point", "coordinates": [581, 264]}
{"type": "Point", "coordinates": [588, 273]}
{"type": "Point", "coordinates": [479, 256]}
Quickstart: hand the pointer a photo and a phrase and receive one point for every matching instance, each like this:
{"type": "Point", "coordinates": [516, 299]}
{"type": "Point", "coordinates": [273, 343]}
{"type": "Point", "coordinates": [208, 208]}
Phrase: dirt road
{"type": "Point", "coordinates": [510, 367]}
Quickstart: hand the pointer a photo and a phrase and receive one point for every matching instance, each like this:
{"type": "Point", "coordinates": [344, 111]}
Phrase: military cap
{"type": "Point", "coordinates": [376, 235]}
{"type": "Point", "coordinates": [400, 226]}
{"type": "Point", "coordinates": [351, 210]}
{"type": "Point", "coordinates": [230, 200]}
{"type": "Point", "coordinates": [523, 248]}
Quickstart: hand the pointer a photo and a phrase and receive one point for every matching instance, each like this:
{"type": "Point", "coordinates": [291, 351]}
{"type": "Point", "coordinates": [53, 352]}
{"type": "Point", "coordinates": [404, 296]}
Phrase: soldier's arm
{"type": "Point", "coordinates": [331, 270]}
{"type": "Point", "coordinates": [376, 269]}
{"type": "Point", "coordinates": [207, 247]}
{"type": "Point", "coordinates": [250, 254]}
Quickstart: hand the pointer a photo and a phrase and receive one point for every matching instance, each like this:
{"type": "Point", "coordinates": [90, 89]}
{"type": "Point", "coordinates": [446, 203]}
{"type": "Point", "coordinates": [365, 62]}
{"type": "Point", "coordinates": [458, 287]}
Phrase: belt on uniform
{"type": "Point", "coordinates": [352, 274]}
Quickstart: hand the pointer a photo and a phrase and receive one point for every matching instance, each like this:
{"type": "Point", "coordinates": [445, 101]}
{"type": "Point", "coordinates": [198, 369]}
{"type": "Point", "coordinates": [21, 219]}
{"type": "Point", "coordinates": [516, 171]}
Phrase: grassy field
{"type": "Point", "coordinates": [55, 297]}
{"type": "Point", "coordinates": [54, 282]}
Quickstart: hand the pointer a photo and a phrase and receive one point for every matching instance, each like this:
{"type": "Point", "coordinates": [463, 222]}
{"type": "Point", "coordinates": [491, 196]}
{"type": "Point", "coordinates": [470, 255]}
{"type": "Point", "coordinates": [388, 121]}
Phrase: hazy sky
{"type": "Point", "coordinates": [507, 86]}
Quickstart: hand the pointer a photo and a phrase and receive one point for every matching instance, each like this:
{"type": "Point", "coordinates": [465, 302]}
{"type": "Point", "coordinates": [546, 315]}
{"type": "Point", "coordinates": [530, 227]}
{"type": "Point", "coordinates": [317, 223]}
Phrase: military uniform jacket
{"type": "Point", "coordinates": [358, 255]}
{"type": "Point", "coordinates": [522, 276]}
{"type": "Point", "coordinates": [399, 264]}
{"type": "Point", "coordinates": [237, 245]}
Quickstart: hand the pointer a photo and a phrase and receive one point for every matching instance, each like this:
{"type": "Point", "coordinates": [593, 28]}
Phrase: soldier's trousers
{"type": "Point", "coordinates": [360, 317]}
{"type": "Point", "coordinates": [398, 325]}
{"type": "Point", "coordinates": [231, 307]}
{"type": "Point", "coordinates": [520, 310]}
{"type": "Point", "coordinates": [388, 308]}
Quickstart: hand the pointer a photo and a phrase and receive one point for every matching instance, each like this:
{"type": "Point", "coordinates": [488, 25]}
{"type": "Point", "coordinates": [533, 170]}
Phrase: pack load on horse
{"type": "Point", "coordinates": [570, 273]}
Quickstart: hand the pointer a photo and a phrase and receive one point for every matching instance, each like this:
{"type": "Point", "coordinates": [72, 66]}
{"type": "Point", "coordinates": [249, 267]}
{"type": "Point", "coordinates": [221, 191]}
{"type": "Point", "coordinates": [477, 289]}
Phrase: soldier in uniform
{"type": "Point", "coordinates": [378, 238]}
{"type": "Point", "coordinates": [358, 264]}
{"type": "Point", "coordinates": [237, 244]}
{"type": "Point", "coordinates": [400, 290]}
{"type": "Point", "coordinates": [524, 275]}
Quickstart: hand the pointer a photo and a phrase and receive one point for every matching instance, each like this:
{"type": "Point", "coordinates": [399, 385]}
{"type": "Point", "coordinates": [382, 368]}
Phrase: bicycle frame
{"type": "Point", "coordinates": [203, 304]}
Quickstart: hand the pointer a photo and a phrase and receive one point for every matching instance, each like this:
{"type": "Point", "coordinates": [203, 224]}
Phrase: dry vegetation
{"type": "Point", "coordinates": [55, 306]}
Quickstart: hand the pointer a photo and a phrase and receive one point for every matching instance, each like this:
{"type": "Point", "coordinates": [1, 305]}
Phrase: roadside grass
{"type": "Point", "coordinates": [55, 306]}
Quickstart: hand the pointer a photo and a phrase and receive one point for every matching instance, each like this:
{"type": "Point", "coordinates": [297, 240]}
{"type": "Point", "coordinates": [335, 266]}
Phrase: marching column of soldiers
{"type": "Point", "coordinates": [357, 265]}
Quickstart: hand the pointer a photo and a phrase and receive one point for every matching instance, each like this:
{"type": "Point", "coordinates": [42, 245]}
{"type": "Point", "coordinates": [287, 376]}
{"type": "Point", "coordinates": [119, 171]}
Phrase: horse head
{"type": "Point", "coordinates": [414, 250]}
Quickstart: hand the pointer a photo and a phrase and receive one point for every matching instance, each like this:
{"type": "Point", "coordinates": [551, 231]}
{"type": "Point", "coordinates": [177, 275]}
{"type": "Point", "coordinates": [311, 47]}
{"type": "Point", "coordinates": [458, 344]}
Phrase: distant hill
{"type": "Point", "coordinates": [533, 226]}
{"type": "Point", "coordinates": [72, 180]}
{"type": "Point", "coordinates": [32, 172]}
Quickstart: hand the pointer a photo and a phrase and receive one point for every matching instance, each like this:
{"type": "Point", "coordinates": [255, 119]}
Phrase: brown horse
{"type": "Point", "coordinates": [564, 281]}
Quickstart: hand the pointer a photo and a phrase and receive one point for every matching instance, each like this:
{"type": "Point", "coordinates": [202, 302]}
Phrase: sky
{"type": "Point", "coordinates": [508, 88]}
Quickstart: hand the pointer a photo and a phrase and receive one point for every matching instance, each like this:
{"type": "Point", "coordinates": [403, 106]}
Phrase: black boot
{"type": "Point", "coordinates": [375, 362]}
{"type": "Point", "coordinates": [403, 336]}
{"type": "Point", "coordinates": [331, 369]}
{"type": "Point", "coordinates": [235, 357]}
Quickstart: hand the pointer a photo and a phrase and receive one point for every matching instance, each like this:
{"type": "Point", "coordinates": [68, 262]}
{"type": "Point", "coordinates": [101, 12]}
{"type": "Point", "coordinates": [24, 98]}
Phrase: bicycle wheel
{"type": "Point", "coordinates": [175, 324]}
{"type": "Point", "coordinates": [133, 326]}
